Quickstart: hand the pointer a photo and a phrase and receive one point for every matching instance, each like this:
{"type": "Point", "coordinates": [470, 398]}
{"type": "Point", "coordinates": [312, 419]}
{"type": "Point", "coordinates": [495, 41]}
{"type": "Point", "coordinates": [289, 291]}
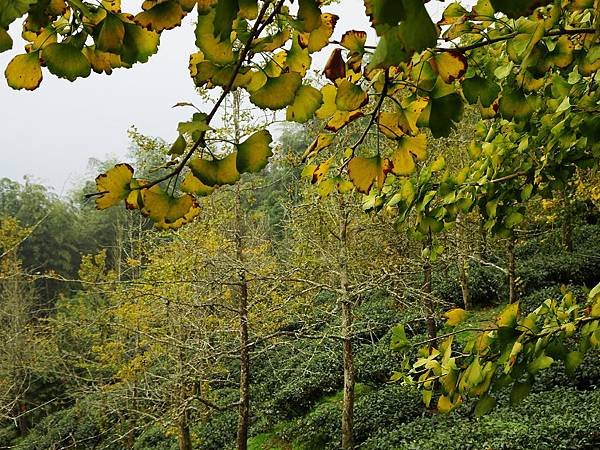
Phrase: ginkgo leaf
{"type": "Point", "coordinates": [335, 67]}
{"type": "Point", "coordinates": [385, 12]}
{"type": "Point", "coordinates": [329, 93]}
{"type": "Point", "coordinates": [178, 146]}
{"type": "Point", "coordinates": [484, 405]}
{"type": "Point", "coordinates": [342, 118]}
{"type": "Point", "coordinates": [516, 8]}
{"type": "Point", "coordinates": [193, 185]}
{"type": "Point", "coordinates": [450, 65]}
{"type": "Point", "coordinates": [482, 89]}
{"type": "Point", "coordinates": [138, 44]}
{"type": "Point", "coordinates": [320, 171]}
{"type": "Point", "coordinates": [441, 113]}
{"type": "Point", "coordinates": [215, 50]}
{"type": "Point", "coordinates": [277, 93]}
{"type": "Point", "coordinates": [403, 121]}
{"type": "Point", "coordinates": [111, 36]}
{"type": "Point", "coordinates": [298, 59]}
{"type": "Point", "coordinates": [428, 225]}
{"type": "Point", "coordinates": [216, 172]}
{"type": "Point", "coordinates": [307, 101]}
{"type": "Point", "coordinates": [355, 42]}
{"type": "Point", "coordinates": [24, 71]}
{"type": "Point", "coordinates": [416, 145]}
{"type": "Point", "coordinates": [272, 42]}
{"type": "Point", "coordinates": [6, 41]}
{"type": "Point", "coordinates": [225, 12]}
{"type": "Point", "coordinates": [365, 172]}
{"type": "Point", "coordinates": [318, 38]}
{"type": "Point", "coordinates": [195, 126]}
{"type": "Point", "coordinates": [350, 96]}
{"type": "Point", "coordinates": [253, 154]}
{"type": "Point", "coordinates": [515, 105]}
{"type": "Point", "coordinates": [167, 211]}
{"type": "Point", "coordinates": [508, 317]}
{"type": "Point", "coordinates": [321, 142]}
{"type": "Point", "coordinates": [402, 162]}
{"type": "Point", "coordinates": [102, 62]}
{"type": "Point", "coordinates": [455, 316]}
{"type": "Point", "coordinates": [309, 15]}
{"type": "Point", "coordinates": [113, 186]}
{"type": "Point", "coordinates": [66, 61]}
{"type": "Point", "coordinates": [248, 9]}
{"type": "Point", "coordinates": [11, 10]}
{"type": "Point", "coordinates": [163, 15]}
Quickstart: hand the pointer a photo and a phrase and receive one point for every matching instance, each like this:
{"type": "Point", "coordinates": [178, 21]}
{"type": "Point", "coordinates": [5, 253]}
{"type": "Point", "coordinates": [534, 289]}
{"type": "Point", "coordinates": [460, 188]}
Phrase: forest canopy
{"type": "Point", "coordinates": [438, 153]}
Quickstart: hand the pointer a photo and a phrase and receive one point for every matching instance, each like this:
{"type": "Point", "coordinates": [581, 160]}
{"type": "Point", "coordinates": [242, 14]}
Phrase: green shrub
{"type": "Point", "coordinates": [560, 419]}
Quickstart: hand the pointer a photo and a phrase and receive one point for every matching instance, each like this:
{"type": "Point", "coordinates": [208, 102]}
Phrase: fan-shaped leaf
{"type": "Point", "coordinates": [24, 72]}
{"type": "Point", "coordinates": [277, 93]}
{"type": "Point", "coordinates": [216, 172]}
{"type": "Point", "coordinates": [364, 172]}
{"type": "Point", "coordinates": [307, 101]}
{"type": "Point", "coordinates": [253, 154]}
{"type": "Point", "coordinates": [114, 185]}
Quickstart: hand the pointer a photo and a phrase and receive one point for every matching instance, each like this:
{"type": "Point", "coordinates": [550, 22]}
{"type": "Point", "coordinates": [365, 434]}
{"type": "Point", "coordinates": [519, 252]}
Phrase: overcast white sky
{"type": "Point", "coordinates": [52, 132]}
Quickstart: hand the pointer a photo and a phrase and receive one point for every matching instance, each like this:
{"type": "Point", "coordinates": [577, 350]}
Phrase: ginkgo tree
{"type": "Point", "coordinates": [528, 66]}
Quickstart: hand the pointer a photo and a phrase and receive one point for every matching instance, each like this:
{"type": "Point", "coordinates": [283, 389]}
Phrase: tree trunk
{"type": "Point", "coordinates": [427, 297]}
{"type": "Point", "coordinates": [244, 408]}
{"type": "Point", "coordinates": [463, 265]}
{"type": "Point", "coordinates": [464, 282]}
{"type": "Point", "coordinates": [566, 235]}
{"type": "Point", "coordinates": [512, 278]}
{"type": "Point", "coordinates": [348, 357]}
{"type": "Point", "coordinates": [184, 437]}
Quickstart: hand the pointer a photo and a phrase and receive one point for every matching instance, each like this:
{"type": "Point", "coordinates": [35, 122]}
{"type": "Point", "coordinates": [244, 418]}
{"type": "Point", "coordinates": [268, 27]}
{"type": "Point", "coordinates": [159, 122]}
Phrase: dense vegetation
{"type": "Point", "coordinates": [126, 336]}
{"type": "Point", "coordinates": [437, 247]}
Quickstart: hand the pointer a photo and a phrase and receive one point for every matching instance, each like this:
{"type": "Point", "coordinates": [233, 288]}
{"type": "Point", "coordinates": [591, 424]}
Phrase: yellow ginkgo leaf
{"type": "Point", "coordinates": [402, 162]}
{"type": "Point", "coordinates": [455, 316]}
{"type": "Point", "coordinates": [24, 72]}
{"type": "Point", "coordinates": [114, 185]}
{"type": "Point", "coordinates": [193, 185]}
{"type": "Point", "coordinates": [364, 172]}
{"type": "Point", "coordinates": [167, 211]}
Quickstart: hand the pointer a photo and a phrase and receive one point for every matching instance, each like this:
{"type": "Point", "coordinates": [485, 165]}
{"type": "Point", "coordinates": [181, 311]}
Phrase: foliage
{"type": "Point", "coordinates": [563, 418]}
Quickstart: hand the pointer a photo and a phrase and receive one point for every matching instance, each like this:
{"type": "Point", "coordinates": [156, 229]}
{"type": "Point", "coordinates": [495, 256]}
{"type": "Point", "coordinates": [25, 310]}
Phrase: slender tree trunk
{"type": "Point", "coordinates": [244, 408]}
{"type": "Point", "coordinates": [463, 267]}
{"type": "Point", "coordinates": [348, 357]}
{"type": "Point", "coordinates": [184, 437]}
{"type": "Point", "coordinates": [427, 290]}
{"type": "Point", "coordinates": [512, 278]}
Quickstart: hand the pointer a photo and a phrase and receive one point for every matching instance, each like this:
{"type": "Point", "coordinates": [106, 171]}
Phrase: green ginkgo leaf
{"type": "Point", "coordinates": [112, 33]}
{"type": "Point", "coordinates": [216, 172]}
{"type": "Point", "coordinates": [480, 89]}
{"type": "Point", "coordinates": [216, 51]}
{"type": "Point", "coordinates": [66, 61]}
{"type": "Point", "coordinates": [298, 59]}
{"type": "Point", "coordinates": [113, 186]}
{"type": "Point", "coordinates": [517, 8]}
{"type": "Point", "coordinates": [6, 41]}
{"type": "Point", "coordinates": [253, 154]}
{"type": "Point", "coordinates": [11, 10]}
{"type": "Point", "coordinates": [24, 71]}
{"type": "Point", "coordinates": [168, 212]}
{"type": "Point", "coordinates": [138, 43]}
{"type": "Point", "coordinates": [178, 146]}
{"type": "Point", "coordinates": [515, 105]}
{"type": "Point", "coordinates": [161, 16]}
{"type": "Point", "coordinates": [307, 101]}
{"type": "Point", "coordinates": [309, 15]}
{"type": "Point", "coordinates": [277, 93]}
